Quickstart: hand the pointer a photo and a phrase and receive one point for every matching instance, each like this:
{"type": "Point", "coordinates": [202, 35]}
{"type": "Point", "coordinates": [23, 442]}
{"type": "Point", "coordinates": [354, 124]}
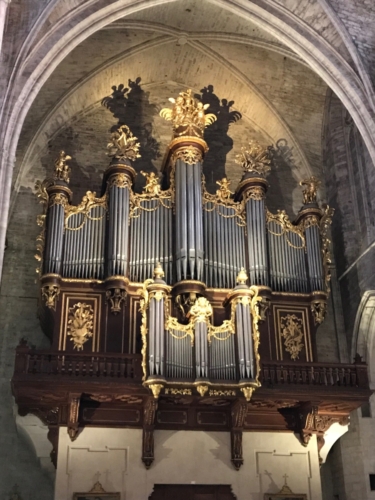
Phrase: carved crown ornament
{"type": "Point", "coordinates": [188, 115]}
{"type": "Point", "coordinates": [123, 145]}
{"type": "Point", "coordinates": [254, 158]}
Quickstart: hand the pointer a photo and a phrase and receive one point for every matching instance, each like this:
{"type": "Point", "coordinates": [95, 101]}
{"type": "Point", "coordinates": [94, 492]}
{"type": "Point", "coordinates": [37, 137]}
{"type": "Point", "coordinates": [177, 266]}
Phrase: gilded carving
{"type": "Point", "coordinates": [254, 158]}
{"type": "Point", "coordinates": [254, 193]}
{"type": "Point", "coordinates": [123, 145]}
{"type": "Point", "coordinates": [242, 277]}
{"type": "Point", "coordinates": [221, 392]}
{"type": "Point", "coordinates": [62, 169]}
{"type": "Point", "coordinates": [188, 115]}
{"type": "Point", "coordinates": [311, 187]}
{"type": "Point", "coordinates": [292, 331]}
{"type": "Point", "coordinates": [155, 389]}
{"type": "Point", "coordinates": [144, 303]}
{"type": "Point", "coordinates": [58, 199]}
{"type": "Point", "coordinates": [119, 180]}
{"type": "Point", "coordinates": [116, 297]}
{"type": "Point", "coordinates": [325, 223]}
{"type": "Point", "coordinates": [41, 189]}
{"type": "Point", "coordinates": [319, 310]}
{"type": "Point", "coordinates": [202, 389]}
{"type": "Point", "coordinates": [80, 324]}
{"type": "Point", "coordinates": [89, 201]}
{"type": "Point", "coordinates": [152, 186]}
{"type": "Point", "coordinates": [188, 154]}
{"type": "Point", "coordinates": [50, 294]}
{"type": "Point", "coordinates": [222, 198]}
{"type": "Point", "coordinates": [201, 311]}
{"type": "Point", "coordinates": [178, 392]}
{"type": "Point", "coordinates": [283, 221]}
{"type": "Point", "coordinates": [247, 392]}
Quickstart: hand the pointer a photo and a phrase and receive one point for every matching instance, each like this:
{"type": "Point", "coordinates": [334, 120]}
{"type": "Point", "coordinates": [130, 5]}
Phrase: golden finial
{"type": "Point", "coordinates": [309, 193]}
{"type": "Point", "coordinates": [242, 277]}
{"type": "Point", "coordinates": [254, 158]}
{"type": "Point", "coordinates": [188, 115]}
{"type": "Point", "coordinates": [152, 183]}
{"type": "Point", "coordinates": [158, 271]}
{"type": "Point", "coordinates": [62, 170]}
{"type": "Point", "coordinates": [123, 144]}
{"type": "Point", "coordinates": [224, 192]}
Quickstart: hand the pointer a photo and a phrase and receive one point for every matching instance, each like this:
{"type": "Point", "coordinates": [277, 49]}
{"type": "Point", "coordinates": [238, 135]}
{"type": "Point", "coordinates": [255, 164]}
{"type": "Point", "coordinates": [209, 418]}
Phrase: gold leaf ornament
{"type": "Point", "coordinates": [80, 324]}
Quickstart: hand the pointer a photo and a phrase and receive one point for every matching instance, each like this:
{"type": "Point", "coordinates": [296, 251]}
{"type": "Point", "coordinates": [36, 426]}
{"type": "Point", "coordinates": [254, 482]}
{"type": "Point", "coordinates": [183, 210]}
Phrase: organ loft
{"type": "Point", "coordinates": [176, 309]}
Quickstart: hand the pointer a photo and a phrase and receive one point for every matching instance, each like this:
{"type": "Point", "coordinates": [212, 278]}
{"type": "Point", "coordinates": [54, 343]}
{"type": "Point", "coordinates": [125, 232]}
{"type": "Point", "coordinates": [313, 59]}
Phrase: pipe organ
{"type": "Point", "coordinates": [184, 292]}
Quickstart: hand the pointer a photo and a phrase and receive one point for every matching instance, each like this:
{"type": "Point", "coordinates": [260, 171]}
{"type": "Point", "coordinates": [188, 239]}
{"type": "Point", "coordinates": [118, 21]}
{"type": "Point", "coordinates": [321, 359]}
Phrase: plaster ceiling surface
{"type": "Point", "coordinates": [172, 47]}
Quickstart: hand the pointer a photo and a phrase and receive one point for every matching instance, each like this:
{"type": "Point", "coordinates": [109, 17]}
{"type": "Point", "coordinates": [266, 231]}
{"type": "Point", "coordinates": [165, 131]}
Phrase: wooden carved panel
{"type": "Point", "coordinates": [292, 333]}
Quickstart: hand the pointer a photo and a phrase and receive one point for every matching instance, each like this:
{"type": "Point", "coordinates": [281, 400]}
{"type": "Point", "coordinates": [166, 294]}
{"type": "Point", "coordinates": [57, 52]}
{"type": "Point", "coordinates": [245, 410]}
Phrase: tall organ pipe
{"type": "Point", "coordinates": [189, 220]}
{"type": "Point", "coordinates": [59, 196]}
{"type": "Point", "coordinates": [119, 183]}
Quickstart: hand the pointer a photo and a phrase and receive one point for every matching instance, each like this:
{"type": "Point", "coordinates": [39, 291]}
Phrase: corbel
{"type": "Point", "coordinates": [238, 415]}
{"type": "Point", "coordinates": [73, 415]}
{"type": "Point", "coordinates": [149, 415]}
{"type": "Point", "coordinates": [116, 297]}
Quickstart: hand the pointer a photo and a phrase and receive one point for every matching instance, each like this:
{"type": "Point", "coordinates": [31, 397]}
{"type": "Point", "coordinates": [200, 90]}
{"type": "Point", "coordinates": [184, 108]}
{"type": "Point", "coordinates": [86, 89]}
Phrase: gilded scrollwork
{"type": "Point", "coordinates": [123, 145]}
{"type": "Point", "coordinates": [291, 327]}
{"type": "Point", "coordinates": [62, 169]}
{"type": "Point", "coordinates": [80, 324]}
{"type": "Point", "coordinates": [89, 201]}
{"type": "Point", "coordinates": [282, 219]}
{"type": "Point", "coordinates": [256, 193]}
{"type": "Point", "coordinates": [221, 392]}
{"type": "Point", "coordinates": [254, 158]}
{"type": "Point", "coordinates": [143, 307]}
{"type": "Point", "coordinates": [311, 188]}
{"type": "Point", "coordinates": [222, 198]}
{"type": "Point", "coordinates": [58, 199]}
{"type": "Point", "coordinates": [325, 223]}
{"type": "Point", "coordinates": [188, 115]}
{"type": "Point", "coordinates": [41, 189]}
{"type": "Point", "coordinates": [50, 294]}
{"type": "Point", "coordinates": [178, 392]}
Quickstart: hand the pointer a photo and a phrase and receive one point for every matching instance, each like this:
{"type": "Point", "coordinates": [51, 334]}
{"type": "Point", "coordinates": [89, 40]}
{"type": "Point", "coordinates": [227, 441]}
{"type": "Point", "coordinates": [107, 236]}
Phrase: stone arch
{"type": "Point", "coordinates": [80, 23]}
{"type": "Point", "coordinates": [363, 342]}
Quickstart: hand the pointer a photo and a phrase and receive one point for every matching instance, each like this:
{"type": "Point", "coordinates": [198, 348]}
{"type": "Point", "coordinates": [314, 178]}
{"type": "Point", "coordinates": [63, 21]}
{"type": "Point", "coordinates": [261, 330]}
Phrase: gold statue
{"type": "Point", "coordinates": [62, 170]}
{"type": "Point", "coordinates": [224, 193]}
{"type": "Point", "coordinates": [309, 193]}
{"type": "Point", "coordinates": [123, 144]}
{"type": "Point", "coordinates": [254, 158]}
{"type": "Point", "coordinates": [152, 186]}
{"type": "Point", "coordinates": [188, 115]}
{"type": "Point", "coordinates": [201, 311]}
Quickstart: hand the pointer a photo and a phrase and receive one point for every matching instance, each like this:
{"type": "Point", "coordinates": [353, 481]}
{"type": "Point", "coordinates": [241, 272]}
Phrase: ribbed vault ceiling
{"type": "Point", "coordinates": [171, 47]}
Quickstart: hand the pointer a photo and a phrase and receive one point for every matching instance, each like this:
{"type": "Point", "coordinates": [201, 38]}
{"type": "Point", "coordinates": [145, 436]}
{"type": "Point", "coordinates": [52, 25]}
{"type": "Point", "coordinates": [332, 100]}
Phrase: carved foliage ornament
{"type": "Point", "coordinates": [292, 331]}
{"type": "Point", "coordinates": [222, 198]}
{"type": "Point", "coordinates": [123, 145]}
{"type": "Point", "coordinates": [115, 297]}
{"type": "Point", "coordinates": [319, 310]}
{"type": "Point", "coordinates": [254, 158]}
{"type": "Point", "coordinates": [188, 154]}
{"type": "Point", "coordinates": [41, 189]}
{"type": "Point", "coordinates": [80, 324]}
{"type": "Point", "coordinates": [188, 115]}
{"type": "Point", "coordinates": [50, 294]}
{"type": "Point", "coordinates": [325, 223]}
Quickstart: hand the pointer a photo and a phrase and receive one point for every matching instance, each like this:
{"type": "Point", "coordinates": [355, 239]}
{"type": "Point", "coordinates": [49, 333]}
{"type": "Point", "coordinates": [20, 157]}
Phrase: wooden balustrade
{"type": "Point", "coordinates": [128, 367]}
{"type": "Point", "coordinates": [89, 365]}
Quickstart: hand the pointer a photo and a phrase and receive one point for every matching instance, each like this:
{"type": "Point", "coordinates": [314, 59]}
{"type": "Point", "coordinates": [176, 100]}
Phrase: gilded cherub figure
{"type": "Point", "coordinates": [62, 169]}
{"type": "Point", "coordinates": [309, 193]}
{"type": "Point", "coordinates": [152, 183]}
{"type": "Point", "coordinates": [224, 193]}
{"type": "Point", "coordinates": [188, 115]}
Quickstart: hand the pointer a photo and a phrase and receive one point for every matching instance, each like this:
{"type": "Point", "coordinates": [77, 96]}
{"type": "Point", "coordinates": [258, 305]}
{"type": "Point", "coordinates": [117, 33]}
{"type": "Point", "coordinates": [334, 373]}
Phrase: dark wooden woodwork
{"type": "Point", "coordinates": [192, 492]}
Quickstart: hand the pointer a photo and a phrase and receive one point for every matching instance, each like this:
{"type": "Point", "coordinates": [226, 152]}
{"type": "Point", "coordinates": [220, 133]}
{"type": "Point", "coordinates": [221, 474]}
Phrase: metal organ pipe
{"type": "Point", "coordinates": [54, 238]}
{"type": "Point", "coordinates": [314, 258]}
{"type": "Point", "coordinates": [119, 207]}
{"type": "Point", "coordinates": [189, 223]}
{"type": "Point", "coordinates": [256, 239]}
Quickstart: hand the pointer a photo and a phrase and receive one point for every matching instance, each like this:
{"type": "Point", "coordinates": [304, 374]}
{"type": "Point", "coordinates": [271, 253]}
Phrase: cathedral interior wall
{"type": "Point", "coordinates": [114, 456]}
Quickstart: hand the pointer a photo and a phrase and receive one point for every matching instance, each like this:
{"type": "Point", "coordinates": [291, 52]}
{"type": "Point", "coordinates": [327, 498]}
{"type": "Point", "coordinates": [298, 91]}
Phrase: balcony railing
{"type": "Point", "coordinates": [128, 368]}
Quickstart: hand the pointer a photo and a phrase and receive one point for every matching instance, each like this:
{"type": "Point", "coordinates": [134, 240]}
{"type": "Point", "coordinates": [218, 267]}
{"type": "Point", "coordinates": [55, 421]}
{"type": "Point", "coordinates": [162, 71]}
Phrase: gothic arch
{"type": "Point", "coordinates": [364, 333]}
